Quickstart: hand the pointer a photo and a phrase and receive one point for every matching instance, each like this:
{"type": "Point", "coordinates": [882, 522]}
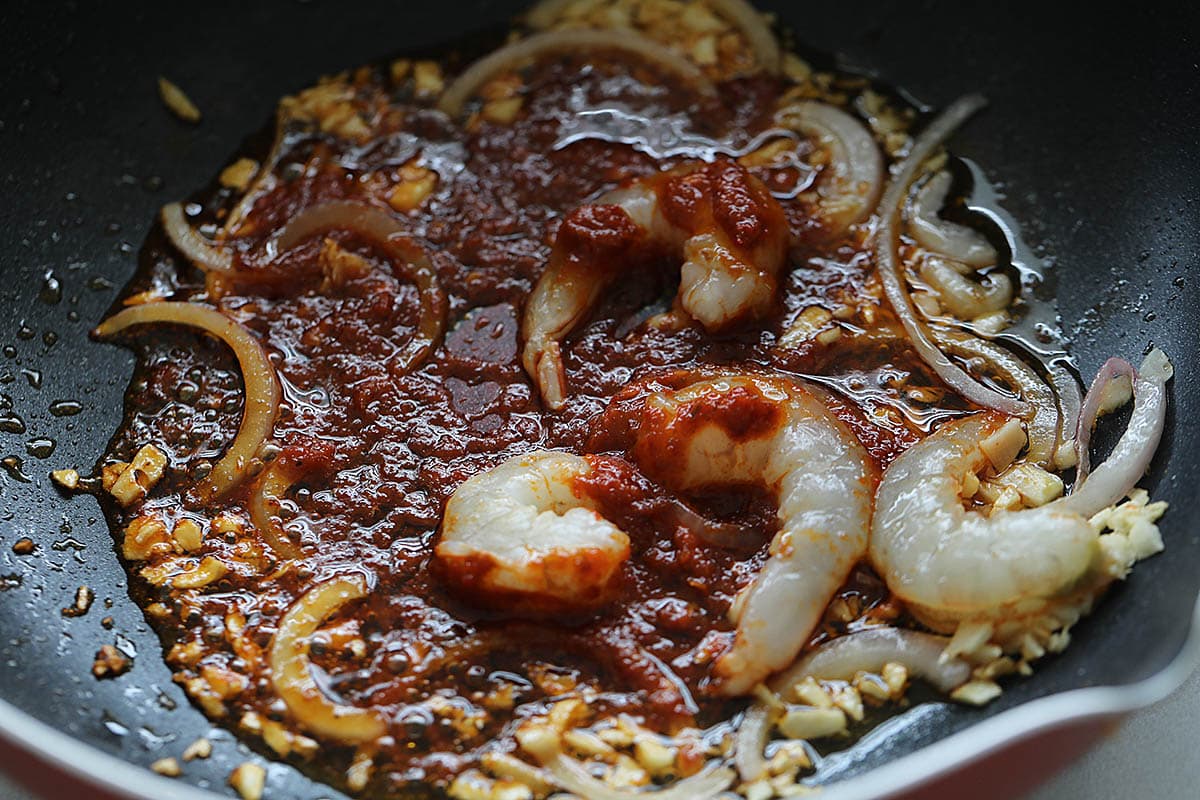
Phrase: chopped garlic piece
{"type": "Point", "coordinates": [248, 780]}
{"type": "Point", "coordinates": [1002, 446]}
{"type": "Point", "coordinates": [179, 103]}
{"type": "Point", "coordinates": [239, 174]}
{"type": "Point", "coordinates": [139, 476]}
{"type": "Point", "coordinates": [168, 767]}
{"type": "Point", "coordinates": [800, 722]}
{"type": "Point", "coordinates": [976, 693]}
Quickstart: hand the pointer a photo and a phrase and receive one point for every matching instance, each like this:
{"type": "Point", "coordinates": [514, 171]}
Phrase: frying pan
{"type": "Point", "coordinates": [1091, 134]}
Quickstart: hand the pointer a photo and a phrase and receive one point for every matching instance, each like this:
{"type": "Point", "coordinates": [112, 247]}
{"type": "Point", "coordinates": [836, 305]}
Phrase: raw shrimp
{"type": "Point", "coordinates": [730, 232]}
{"type": "Point", "coordinates": [950, 564]}
{"type": "Point", "coordinates": [520, 534]}
{"type": "Point", "coordinates": [775, 432]}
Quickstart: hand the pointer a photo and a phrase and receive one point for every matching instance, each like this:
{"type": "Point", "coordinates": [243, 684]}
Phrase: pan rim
{"type": "Point", "coordinates": [83, 761]}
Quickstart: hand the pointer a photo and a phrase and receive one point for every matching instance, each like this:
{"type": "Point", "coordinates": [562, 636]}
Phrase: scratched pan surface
{"type": "Point", "coordinates": [1091, 133]}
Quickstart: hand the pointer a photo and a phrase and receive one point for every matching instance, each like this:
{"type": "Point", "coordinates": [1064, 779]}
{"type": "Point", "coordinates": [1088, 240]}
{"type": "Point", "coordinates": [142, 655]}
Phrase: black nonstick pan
{"type": "Point", "coordinates": [1091, 134]}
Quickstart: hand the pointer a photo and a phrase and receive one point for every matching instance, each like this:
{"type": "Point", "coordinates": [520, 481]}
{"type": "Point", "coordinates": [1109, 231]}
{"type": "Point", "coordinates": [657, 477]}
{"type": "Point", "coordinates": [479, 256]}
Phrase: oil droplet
{"type": "Point", "coordinates": [49, 338]}
{"type": "Point", "coordinates": [34, 376]}
{"type": "Point", "coordinates": [114, 727]}
{"type": "Point", "coordinates": [12, 465]}
{"type": "Point", "coordinates": [65, 408]}
{"type": "Point", "coordinates": [51, 293]}
{"type": "Point", "coordinates": [40, 448]}
{"type": "Point", "coordinates": [99, 283]}
{"type": "Point", "coordinates": [25, 332]}
{"type": "Point", "coordinates": [11, 423]}
{"type": "Point", "coordinates": [10, 351]}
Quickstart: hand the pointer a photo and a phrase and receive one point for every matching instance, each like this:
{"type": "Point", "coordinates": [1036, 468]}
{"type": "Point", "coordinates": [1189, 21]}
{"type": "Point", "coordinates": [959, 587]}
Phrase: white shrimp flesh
{"type": "Point", "coordinates": [520, 536]}
{"type": "Point", "coordinates": [747, 429]}
{"type": "Point", "coordinates": [719, 220]}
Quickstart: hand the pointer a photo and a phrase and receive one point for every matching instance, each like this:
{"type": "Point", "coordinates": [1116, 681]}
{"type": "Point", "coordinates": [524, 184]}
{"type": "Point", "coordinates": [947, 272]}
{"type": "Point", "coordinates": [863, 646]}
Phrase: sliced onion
{"type": "Point", "coordinates": [258, 376]}
{"type": "Point", "coordinates": [744, 17]}
{"type": "Point", "coordinates": [1070, 403]}
{"type": "Point", "coordinates": [517, 54]}
{"type": "Point", "coordinates": [1120, 472]}
{"type": "Point", "coordinates": [265, 172]}
{"type": "Point", "coordinates": [857, 162]}
{"type": "Point", "coordinates": [942, 236]}
{"type": "Point", "coordinates": [407, 257]}
{"type": "Point", "coordinates": [203, 254]}
{"type": "Point", "coordinates": [868, 651]}
{"type": "Point", "coordinates": [962, 295]}
{"type": "Point", "coordinates": [263, 505]}
{"type": "Point", "coordinates": [727, 535]}
{"type": "Point", "coordinates": [887, 257]}
{"type": "Point", "coordinates": [291, 672]}
{"type": "Point", "coordinates": [750, 21]}
{"type": "Point", "coordinates": [1093, 405]}
{"type": "Point", "coordinates": [574, 777]}
{"type": "Point", "coordinates": [1044, 421]}
{"type": "Point", "coordinates": [750, 742]}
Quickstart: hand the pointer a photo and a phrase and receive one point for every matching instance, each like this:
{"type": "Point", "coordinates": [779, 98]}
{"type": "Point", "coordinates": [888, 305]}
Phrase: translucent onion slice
{"type": "Point", "coordinates": [744, 17]}
{"type": "Point", "coordinates": [291, 667]}
{"type": "Point", "coordinates": [1070, 405]}
{"type": "Point", "coordinates": [942, 236]}
{"type": "Point", "coordinates": [840, 660]}
{"type": "Point", "coordinates": [203, 254]}
{"type": "Point", "coordinates": [1120, 472]}
{"type": "Point", "coordinates": [887, 258]}
{"type": "Point", "coordinates": [750, 742]}
{"type": "Point", "coordinates": [407, 257]}
{"type": "Point", "coordinates": [857, 163]}
{"type": "Point", "coordinates": [258, 376]}
{"type": "Point", "coordinates": [868, 651]}
{"type": "Point", "coordinates": [572, 776]}
{"type": "Point", "coordinates": [1046, 426]}
{"type": "Point", "coordinates": [522, 52]}
{"type": "Point", "coordinates": [728, 535]}
{"type": "Point", "coordinates": [264, 508]}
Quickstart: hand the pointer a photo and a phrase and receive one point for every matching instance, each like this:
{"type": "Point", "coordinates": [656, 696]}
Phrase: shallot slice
{"type": "Point", "coordinates": [203, 254]}
{"type": "Point", "coordinates": [1113, 479]}
{"type": "Point", "coordinates": [258, 376]}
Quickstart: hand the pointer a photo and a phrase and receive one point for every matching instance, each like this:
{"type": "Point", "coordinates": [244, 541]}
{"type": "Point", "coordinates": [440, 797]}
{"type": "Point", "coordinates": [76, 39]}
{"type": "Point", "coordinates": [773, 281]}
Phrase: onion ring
{"type": "Point", "coordinates": [941, 236]}
{"type": "Point", "coordinates": [572, 776]}
{"type": "Point", "coordinates": [1045, 423]}
{"type": "Point", "coordinates": [744, 17]}
{"type": "Point", "coordinates": [258, 376]}
{"type": "Point", "coordinates": [456, 95]}
{"type": "Point", "coordinates": [385, 231]}
{"type": "Point", "coordinates": [290, 666]}
{"type": "Point", "coordinates": [727, 535]}
{"type": "Point", "coordinates": [1112, 480]}
{"type": "Point", "coordinates": [750, 741]}
{"type": "Point", "coordinates": [1094, 405]}
{"type": "Point", "coordinates": [858, 164]}
{"type": "Point", "coordinates": [887, 259]}
{"type": "Point", "coordinates": [867, 651]}
{"type": "Point", "coordinates": [840, 660]}
{"type": "Point", "coordinates": [203, 254]}
{"type": "Point", "coordinates": [263, 505]}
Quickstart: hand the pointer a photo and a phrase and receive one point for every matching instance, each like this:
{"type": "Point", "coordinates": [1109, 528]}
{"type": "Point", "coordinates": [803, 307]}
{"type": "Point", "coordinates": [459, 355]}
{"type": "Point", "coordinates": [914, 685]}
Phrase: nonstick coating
{"type": "Point", "coordinates": [1091, 132]}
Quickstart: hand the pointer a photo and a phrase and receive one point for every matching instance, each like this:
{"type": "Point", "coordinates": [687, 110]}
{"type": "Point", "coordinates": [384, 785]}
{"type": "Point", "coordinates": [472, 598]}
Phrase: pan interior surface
{"type": "Point", "coordinates": [1099, 167]}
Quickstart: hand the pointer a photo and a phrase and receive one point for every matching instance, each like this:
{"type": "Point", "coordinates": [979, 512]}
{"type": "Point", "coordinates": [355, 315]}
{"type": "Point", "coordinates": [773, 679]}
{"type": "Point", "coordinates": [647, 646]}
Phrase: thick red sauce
{"type": "Point", "coordinates": [378, 451]}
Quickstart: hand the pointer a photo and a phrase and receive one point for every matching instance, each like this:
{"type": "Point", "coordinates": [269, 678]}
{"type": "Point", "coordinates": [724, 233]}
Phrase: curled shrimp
{"type": "Point", "coordinates": [521, 535]}
{"type": "Point", "coordinates": [729, 230]}
{"type": "Point", "coordinates": [952, 564]}
{"type": "Point", "coordinates": [774, 432]}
